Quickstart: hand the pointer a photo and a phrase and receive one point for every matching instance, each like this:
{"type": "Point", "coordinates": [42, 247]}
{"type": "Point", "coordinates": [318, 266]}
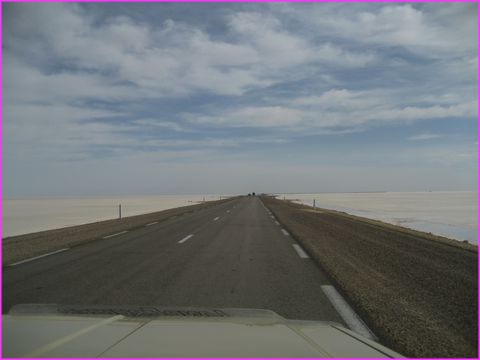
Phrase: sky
{"type": "Point", "coordinates": [105, 99]}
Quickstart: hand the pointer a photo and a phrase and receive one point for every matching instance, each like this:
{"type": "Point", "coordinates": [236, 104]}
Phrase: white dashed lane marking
{"type": "Point", "coordinates": [218, 217]}
{"type": "Point", "coordinates": [120, 233]}
{"type": "Point", "coordinates": [300, 251]}
{"type": "Point", "coordinates": [285, 232]}
{"type": "Point", "coordinates": [38, 257]}
{"type": "Point", "coordinates": [152, 223]}
{"type": "Point", "coordinates": [185, 239]}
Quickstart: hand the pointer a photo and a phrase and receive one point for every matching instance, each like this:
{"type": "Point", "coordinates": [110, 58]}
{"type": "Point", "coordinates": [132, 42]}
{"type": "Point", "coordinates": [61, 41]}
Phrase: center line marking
{"type": "Point", "coordinates": [300, 251]}
{"type": "Point", "coordinates": [39, 257]}
{"type": "Point", "coordinates": [185, 239]}
{"type": "Point", "coordinates": [285, 232]}
{"type": "Point", "coordinates": [120, 233]}
{"type": "Point", "coordinates": [218, 217]}
{"type": "Point", "coordinates": [350, 317]}
{"type": "Point", "coordinates": [152, 223]}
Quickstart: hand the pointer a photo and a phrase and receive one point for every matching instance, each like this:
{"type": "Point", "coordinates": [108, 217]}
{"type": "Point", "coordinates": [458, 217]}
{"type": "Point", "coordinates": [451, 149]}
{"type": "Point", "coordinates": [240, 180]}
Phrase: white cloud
{"type": "Point", "coordinates": [274, 46]}
{"type": "Point", "coordinates": [155, 123]}
{"type": "Point", "coordinates": [445, 156]}
{"type": "Point", "coordinates": [342, 99]}
{"type": "Point", "coordinates": [412, 113]}
{"type": "Point", "coordinates": [268, 116]}
{"type": "Point", "coordinates": [283, 71]}
{"type": "Point", "coordinates": [424, 136]}
{"type": "Point", "coordinates": [173, 59]}
{"type": "Point", "coordinates": [338, 109]}
{"type": "Point", "coordinates": [336, 55]}
{"type": "Point", "coordinates": [430, 30]}
{"type": "Point", "coordinates": [27, 84]}
{"type": "Point", "coordinates": [279, 48]}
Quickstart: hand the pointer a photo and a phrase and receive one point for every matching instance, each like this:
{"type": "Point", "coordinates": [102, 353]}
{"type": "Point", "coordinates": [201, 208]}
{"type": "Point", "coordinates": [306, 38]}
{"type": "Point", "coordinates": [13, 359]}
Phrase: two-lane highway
{"type": "Point", "coordinates": [235, 254]}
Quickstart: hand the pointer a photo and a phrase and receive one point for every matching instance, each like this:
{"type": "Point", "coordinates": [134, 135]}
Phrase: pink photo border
{"type": "Point", "coordinates": [338, 1]}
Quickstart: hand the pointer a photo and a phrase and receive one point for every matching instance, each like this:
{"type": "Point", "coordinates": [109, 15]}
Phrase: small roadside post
{"type": "Point", "coordinates": [313, 202]}
{"type": "Point", "coordinates": [119, 211]}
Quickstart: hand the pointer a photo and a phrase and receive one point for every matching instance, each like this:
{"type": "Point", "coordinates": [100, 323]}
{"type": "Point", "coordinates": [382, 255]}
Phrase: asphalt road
{"type": "Point", "coordinates": [230, 255]}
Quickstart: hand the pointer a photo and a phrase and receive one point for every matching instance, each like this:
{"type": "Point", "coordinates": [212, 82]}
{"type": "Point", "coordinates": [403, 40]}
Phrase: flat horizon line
{"type": "Point", "coordinates": [44, 197]}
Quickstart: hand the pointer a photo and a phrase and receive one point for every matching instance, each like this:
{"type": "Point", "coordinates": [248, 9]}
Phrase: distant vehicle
{"type": "Point", "coordinates": [56, 331]}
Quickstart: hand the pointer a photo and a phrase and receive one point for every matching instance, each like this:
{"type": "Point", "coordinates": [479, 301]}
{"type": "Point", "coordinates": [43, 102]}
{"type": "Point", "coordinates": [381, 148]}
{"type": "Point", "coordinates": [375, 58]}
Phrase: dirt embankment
{"type": "Point", "coordinates": [417, 292]}
{"type": "Point", "coordinates": [21, 247]}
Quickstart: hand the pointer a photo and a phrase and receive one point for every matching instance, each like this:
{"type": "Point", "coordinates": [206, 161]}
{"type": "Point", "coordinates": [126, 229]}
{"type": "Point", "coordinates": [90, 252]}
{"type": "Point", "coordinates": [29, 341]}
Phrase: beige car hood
{"type": "Point", "coordinates": [102, 331]}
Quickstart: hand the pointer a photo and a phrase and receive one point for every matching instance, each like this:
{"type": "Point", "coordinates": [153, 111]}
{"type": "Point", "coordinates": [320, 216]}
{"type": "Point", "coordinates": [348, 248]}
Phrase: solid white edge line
{"type": "Point", "coordinates": [152, 223]}
{"type": "Point", "coordinates": [218, 217]}
{"type": "Point", "coordinates": [38, 257]}
{"type": "Point", "coordinates": [353, 321]}
{"type": "Point", "coordinates": [300, 251]}
{"type": "Point", "coordinates": [185, 239]}
{"type": "Point", "coordinates": [120, 233]}
{"type": "Point", "coordinates": [285, 232]}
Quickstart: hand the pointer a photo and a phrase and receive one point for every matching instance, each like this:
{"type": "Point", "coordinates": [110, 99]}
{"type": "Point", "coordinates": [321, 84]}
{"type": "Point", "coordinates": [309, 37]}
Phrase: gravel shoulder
{"type": "Point", "coordinates": [17, 248]}
{"type": "Point", "coordinates": [418, 292]}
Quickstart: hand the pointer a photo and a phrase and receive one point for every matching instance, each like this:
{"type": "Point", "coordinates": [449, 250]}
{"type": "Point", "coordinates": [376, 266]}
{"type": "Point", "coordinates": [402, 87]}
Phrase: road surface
{"type": "Point", "coordinates": [234, 254]}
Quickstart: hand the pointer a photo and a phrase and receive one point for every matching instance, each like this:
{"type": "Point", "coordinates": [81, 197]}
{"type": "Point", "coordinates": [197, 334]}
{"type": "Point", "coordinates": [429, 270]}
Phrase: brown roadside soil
{"type": "Point", "coordinates": [16, 248]}
{"type": "Point", "coordinates": [418, 292]}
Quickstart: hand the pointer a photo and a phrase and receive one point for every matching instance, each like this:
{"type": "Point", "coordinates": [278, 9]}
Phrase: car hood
{"type": "Point", "coordinates": [150, 331]}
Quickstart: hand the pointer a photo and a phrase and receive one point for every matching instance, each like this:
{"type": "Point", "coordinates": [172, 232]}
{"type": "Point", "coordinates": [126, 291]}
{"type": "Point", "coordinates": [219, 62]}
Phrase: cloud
{"type": "Point", "coordinates": [279, 48]}
{"type": "Point", "coordinates": [341, 99]}
{"type": "Point", "coordinates": [270, 42]}
{"type": "Point", "coordinates": [424, 136]}
{"type": "Point", "coordinates": [411, 113]}
{"type": "Point", "coordinates": [27, 84]}
{"type": "Point", "coordinates": [169, 60]}
{"type": "Point", "coordinates": [337, 110]}
{"type": "Point", "coordinates": [96, 83]}
{"type": "Point", "coordinates": [152, 123]}
{"type": "Point", "coordinates": [446, 155]}
{"type": "Point", "coordinates": [429, 30]}
{"type": "Point", "coordinates": [172, 59]}
{"type": "Point", "coordinates": [268, 116]}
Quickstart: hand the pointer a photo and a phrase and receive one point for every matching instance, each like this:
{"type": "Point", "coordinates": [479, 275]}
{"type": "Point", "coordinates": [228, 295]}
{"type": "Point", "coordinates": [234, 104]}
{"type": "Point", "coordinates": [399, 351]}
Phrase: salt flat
{"type": "Point", "coordinates": [449, 213]}
{"type": "Point", "coordinates": [23, 216]}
